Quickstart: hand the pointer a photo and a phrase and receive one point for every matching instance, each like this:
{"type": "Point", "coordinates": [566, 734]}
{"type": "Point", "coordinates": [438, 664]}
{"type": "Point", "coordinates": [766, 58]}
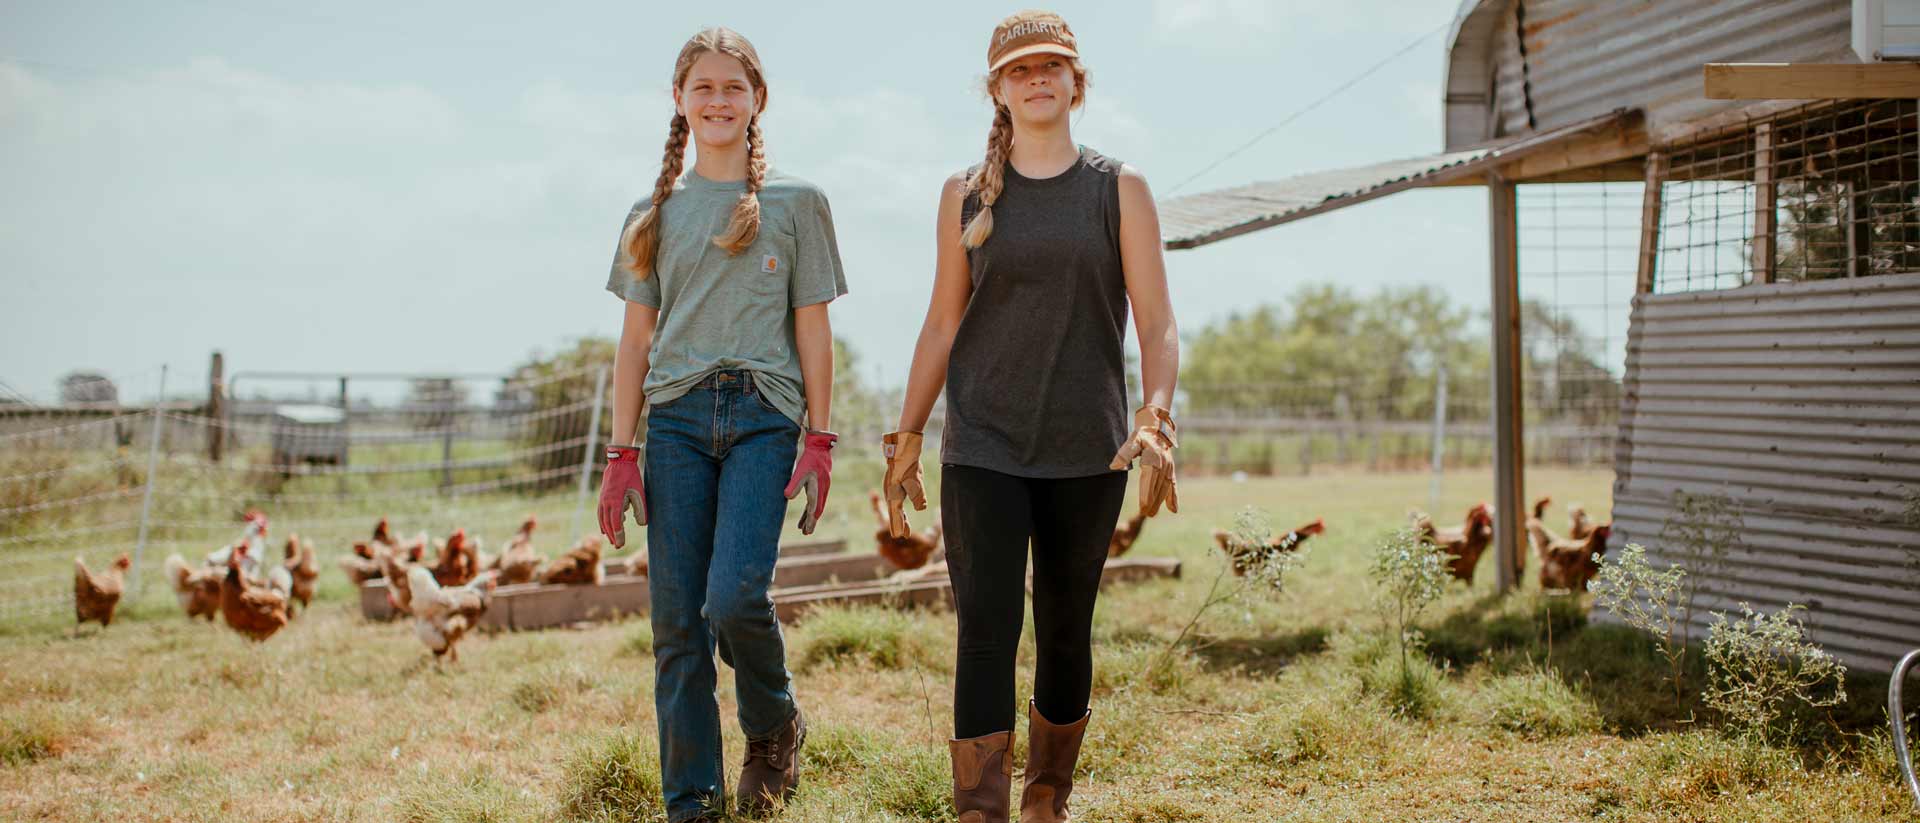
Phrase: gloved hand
{"type": "Point", "coordinates": [902, 450]}
{"type": "Point", "coordinates": [620, 488]}
{"type": "Point", "coordinates": [813, 472]}
{"type": "Point", "coordinates": [1152, 442]}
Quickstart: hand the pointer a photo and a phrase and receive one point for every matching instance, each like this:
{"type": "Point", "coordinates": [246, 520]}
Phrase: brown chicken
{"type": "Point", "coordinates": [518, 562]}
{"type": "Point", "coordinates": [1124, 535]}
{"type": "Point", "coordinates": [1244, 557]}
{"type": "Point", "coordinates": [636, 565]}
{"type": "Point", "coordinates": [304, 570]}
{"type": "Point", "coordinates": [197, 587]}
{"type": "Point", "coordinates": [1464, 545]}
{"type": "Point", "coordinates": [393, 566]}
{"type": "Point", "coordinates": [441, 616]}
{"type": "Point", "coordinates": [250, 609]}
{"type": "Point", "coordinates": [1569, 562]}
{"type": "Point", "coordinates": [910, 552]}
{"type": "Point", "coordinates": [1582, 525]}
{"type": "Point", "coordinates": [579, 567]}
{"type": "Point", "coordinates": [95, 596]}
{"type": "Point", "coordinates": [458, 559]}
{"type": "Point", "coordinates": [364, 563]}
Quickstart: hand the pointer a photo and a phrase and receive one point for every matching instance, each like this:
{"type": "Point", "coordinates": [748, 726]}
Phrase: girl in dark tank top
{"type": "Point", "coordinates": [1043, 247]}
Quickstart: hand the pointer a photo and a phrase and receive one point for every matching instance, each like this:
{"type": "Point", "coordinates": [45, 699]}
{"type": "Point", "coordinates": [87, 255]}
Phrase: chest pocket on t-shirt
{"type": "Point", "coordinates": [770, 261]}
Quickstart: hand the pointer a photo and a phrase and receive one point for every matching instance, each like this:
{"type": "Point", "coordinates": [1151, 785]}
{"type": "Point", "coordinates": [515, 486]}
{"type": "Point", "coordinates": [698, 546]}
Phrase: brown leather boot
{"type": "Point", "coordinates": [772, 768]}
{"type": "Point", "coordinates": [982, 777]}
{"type": "Point", "coordinates": [1051, 752]}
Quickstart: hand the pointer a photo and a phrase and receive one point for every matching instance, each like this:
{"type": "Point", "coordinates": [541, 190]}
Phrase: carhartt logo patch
{"type": "Point", "coordinates": [770, 265]}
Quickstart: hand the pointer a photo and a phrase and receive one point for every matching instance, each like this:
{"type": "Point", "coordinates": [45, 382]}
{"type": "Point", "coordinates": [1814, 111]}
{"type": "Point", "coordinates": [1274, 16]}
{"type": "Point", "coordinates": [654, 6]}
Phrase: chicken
{"type": "Point", "coordinates": [394, 566]}
{"type": "Point", "coordinates": [637, 563]}
{"type": "Point", "coordinates": [364, 563]}
{"type": "Point", "coordinates": [198, 589]}
{"type": "Point", "coordinates": [1569, 564]}
{"type": "Point", "coordinates": [910, 552]}
{"type": "Point", "coordinates": [1582, 525]}
{"type": "Point", "coordinates": [95, 596]}
{"type": "Point", "coordinates": [442, 615]}
{"type": "Point", "coordinates": [1124, 535]}
{"type": "Point", "coordinates": [255, 539]}
{"type": "Point", "coordinates": [1464, 545]}
{"type": "Point", "coordinates": [411, 549]}
{"type": "Point", "coordinates": [519, 563]}
{"type": "Point", "coordinates": [1246, 557]}
{"type": "Point", "coordinates": [578, 567]}
{"type": "Point", "coordinates": [458, 560]}
{"type": "Point", "coordinates": [254, 611]}
{"type": "Point", "coordinates": [302, 570]}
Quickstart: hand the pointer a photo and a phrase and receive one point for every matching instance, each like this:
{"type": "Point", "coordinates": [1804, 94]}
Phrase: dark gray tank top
{"type": "Point", "coordinates": [1036, 382]}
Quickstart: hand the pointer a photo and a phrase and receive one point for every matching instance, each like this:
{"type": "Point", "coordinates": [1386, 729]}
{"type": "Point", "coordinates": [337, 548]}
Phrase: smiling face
{"type": "Point", "coordinates": [718, 98]}
{"type": "Point", "coordinates": [1038, 88]}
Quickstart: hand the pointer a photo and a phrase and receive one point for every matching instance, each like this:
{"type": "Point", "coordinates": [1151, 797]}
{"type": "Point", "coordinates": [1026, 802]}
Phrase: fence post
{"type": "Point", "coordinates": [593, 442]}
{"type": "Point", "coordinates": [216, 407]}
{"type": "Point", "coordinates": [445, 418]}
{"type": "Point", "coordinates": [146, 497]}
{"type": "Point", "coordinates": [346, 436]}
{"type": "Point", "coordinates": [1437, 464]}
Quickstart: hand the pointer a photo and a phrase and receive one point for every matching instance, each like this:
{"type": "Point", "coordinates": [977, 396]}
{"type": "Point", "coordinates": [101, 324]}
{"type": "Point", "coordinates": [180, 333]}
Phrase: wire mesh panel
{"type": "Point", "coordinates": [1819, 192]}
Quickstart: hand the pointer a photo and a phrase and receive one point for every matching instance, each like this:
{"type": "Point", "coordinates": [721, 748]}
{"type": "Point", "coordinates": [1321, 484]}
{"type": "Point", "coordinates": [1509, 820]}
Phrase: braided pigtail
{"type": "Point", "coordinates": [990, 177]}
{"type": "Point", "coordinates": [642, 239]}
{"type": "Point", "coordinates": [746, 213]}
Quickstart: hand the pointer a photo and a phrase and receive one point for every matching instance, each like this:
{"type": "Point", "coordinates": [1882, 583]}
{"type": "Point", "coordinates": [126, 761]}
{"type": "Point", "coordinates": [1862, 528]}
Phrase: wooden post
{"type": "Point", "coordinates": [1508, 458]}
{"type": "Point", "coordinates": [1650, 223]}
{"type": "Point", "coordinates": [216, 408]}
{"type": "Point", "coordinates": [346, 418]}
{"type": "Point", "coordinates": [1859, 229]}
{"type": "Point", "coordinates": [1763, 203]}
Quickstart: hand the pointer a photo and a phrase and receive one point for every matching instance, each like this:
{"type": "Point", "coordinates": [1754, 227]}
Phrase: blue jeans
{"type": "Point", "coordinates": [718, 460]}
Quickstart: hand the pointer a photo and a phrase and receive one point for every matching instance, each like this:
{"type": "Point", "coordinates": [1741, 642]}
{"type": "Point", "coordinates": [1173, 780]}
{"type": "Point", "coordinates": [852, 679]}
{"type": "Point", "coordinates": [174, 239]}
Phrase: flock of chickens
{"type": "Point", "coordinates": [1565, 562]}
{"type": "Point", "coordinates": [447, 597]}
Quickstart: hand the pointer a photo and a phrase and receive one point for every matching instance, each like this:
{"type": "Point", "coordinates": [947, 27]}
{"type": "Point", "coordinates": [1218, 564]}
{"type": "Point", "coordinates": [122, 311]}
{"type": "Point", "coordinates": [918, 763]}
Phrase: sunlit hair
{"type": "Point", "coordinates": [642, 238]}
{"type": "Point", "coordinates": [989, 178]}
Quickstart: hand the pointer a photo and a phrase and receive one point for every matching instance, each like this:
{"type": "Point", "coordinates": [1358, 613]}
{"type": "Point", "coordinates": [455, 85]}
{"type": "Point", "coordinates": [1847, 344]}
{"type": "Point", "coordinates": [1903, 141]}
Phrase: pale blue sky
{"type": "Point", "coordinates": [438, 186]}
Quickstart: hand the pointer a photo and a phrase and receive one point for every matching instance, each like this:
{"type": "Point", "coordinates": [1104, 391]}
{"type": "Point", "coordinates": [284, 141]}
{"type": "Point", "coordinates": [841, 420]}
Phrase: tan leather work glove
{"type": "Point", "coordinates": [902, 450]}
{"type": "Point", "coordinates": [1152, 441]}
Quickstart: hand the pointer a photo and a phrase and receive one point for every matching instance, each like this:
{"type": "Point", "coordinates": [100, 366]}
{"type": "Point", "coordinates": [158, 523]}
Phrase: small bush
{"type": "Point", "coordinates": [1412, 688]}
{"type": "Point", "coordinates": [1651, 601]}
{"type": "Point", "coordinates": [879, 637]}
{"type": "Point", "coordinates": [549, 687]}
{"type": "Point", "coordinates": [1536, 704]}
{"type": "Point", "coordinates": [615, 778]}
{"type": "Point", "coordinates": [1760, 664]}
{"type": "Point", "coordinates": [1408, 573]}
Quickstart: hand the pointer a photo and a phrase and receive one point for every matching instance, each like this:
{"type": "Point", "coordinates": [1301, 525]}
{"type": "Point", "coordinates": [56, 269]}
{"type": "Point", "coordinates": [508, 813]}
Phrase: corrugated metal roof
{"type": "Point", "coordinates": [1199, 219]}
{"type": "Point", "coordinates": [1801, 402]}
{"type": "Point", "coordinates": [1588, 56]}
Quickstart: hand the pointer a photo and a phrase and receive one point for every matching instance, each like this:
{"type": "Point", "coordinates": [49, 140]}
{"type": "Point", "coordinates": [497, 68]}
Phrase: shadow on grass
{"type": "Point", "coordinates": [1258, 656]}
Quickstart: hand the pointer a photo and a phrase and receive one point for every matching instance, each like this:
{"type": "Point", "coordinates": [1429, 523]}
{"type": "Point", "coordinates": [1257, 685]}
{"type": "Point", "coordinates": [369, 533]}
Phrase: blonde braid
{"type": "Point", "coordinates": [642, 240]}
{"type": "Point", "coordinates": [988, 180]}
{"type": "Point", "coordinates": [746, 213]}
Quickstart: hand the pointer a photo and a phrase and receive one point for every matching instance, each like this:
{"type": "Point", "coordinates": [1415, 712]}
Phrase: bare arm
{"type": "Point", "coordinates": [1146, 275]}
{"type": "Point", "coordinates": [630, 370]}
{"type": "Point", "coordinates": [952, 287]}
{"type": "Point", "coordinates": [813, 335]}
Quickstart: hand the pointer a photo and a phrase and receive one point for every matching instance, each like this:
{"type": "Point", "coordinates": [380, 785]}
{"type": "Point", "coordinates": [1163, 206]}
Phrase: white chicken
{"type": "Point", "coordinates": [442, 615]}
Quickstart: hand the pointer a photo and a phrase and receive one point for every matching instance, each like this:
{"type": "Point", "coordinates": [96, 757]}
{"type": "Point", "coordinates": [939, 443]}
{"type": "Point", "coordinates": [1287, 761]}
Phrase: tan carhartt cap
{"type": "Point", "coordinates": [1029, 32]}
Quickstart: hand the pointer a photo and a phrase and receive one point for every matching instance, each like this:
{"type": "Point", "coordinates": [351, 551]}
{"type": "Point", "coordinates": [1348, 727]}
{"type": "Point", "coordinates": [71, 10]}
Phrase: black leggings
{"type": "Point", "coordinates": [989, 519]}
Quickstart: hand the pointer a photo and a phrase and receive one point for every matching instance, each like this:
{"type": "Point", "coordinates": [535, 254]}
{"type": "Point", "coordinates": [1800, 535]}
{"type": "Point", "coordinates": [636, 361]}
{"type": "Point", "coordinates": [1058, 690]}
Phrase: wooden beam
{"type": "Point", "coordinates": [1811, 81]}
{"type": "Point", "coordinates": [1509, 511]}
{"type": "Point", "coordinates": [1650, 223]}
{"type": "Point", "coordinates": [1763, 203]}
{"type": "Point", "coordinates": [1626, 138]}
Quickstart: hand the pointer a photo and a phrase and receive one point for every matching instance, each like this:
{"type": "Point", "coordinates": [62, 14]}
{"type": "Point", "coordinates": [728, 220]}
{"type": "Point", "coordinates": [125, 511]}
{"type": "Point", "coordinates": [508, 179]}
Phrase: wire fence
{"type": "Point", "coordinates": [176, 478]}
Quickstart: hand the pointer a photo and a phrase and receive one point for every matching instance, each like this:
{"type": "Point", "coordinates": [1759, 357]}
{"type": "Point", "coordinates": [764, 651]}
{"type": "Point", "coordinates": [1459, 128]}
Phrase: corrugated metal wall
{"type": "Point", "coordinates": [1801, 402]}
{"type": "Point", "coordinates": [1588, 57]}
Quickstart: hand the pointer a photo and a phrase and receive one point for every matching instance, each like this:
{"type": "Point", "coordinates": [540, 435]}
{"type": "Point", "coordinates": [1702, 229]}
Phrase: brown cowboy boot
{"type": "Point", "coordinates": [1051, 752]}
{"type": "Point", "coordinates": [772, 768]}
{"type": "Point", "coordinates": [982, 777]}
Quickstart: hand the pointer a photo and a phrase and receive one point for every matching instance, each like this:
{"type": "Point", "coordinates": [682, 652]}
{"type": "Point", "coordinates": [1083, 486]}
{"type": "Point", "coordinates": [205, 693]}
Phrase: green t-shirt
{"type": "Point", "coordinates": [721, 311]}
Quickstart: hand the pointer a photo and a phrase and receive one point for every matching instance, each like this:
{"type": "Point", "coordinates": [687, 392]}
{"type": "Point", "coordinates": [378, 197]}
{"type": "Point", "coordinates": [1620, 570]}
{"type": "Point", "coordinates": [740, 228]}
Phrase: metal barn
{"type": "Point", "coordinates": [1773, 352]}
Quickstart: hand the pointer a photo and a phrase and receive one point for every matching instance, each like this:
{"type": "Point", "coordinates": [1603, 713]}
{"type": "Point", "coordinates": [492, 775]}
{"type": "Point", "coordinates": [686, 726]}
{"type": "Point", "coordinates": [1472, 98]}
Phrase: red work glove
{"type": "Point", "coordinates": [620, 487]}
{"type": "Point", "coordinates": [813, 472]}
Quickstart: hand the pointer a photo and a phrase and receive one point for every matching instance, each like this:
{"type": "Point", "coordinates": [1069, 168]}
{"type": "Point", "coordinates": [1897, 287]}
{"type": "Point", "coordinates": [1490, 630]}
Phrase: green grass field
{"type": "Point", "coordinates": [1268, 711]}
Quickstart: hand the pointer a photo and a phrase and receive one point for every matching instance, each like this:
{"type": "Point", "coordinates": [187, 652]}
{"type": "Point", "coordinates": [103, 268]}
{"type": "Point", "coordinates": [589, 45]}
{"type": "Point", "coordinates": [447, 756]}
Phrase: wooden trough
{"type": "Point", "coordinates": [800, 583]}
